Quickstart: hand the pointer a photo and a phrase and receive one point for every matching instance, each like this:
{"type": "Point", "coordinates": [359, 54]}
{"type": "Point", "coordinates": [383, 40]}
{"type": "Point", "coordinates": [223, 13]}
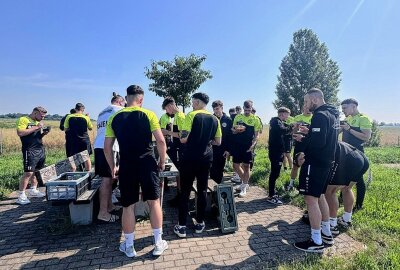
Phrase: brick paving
{"type": "Point", "coordinates": [39, 236]}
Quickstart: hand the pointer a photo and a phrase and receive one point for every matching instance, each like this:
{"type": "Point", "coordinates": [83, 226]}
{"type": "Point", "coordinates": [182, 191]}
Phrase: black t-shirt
{"type": "Point", "coordinates": [32, 141]}
{"type": "Point", "coordinates": [203, 127]}
{"type": "Point", "coordinates": [133, 127]}
{"type": "Point", "coordinates": [226, 127]}
{"type": "Point", "coordinates": [277, 132]}
{"type": "Point", "coordinates": [77, 126]}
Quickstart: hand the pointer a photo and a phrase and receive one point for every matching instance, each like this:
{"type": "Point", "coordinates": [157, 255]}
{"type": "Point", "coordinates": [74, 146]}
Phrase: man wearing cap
{"type": "Point", "coordinates": [357, 130]}
{"type": "Point", "coordinates": [134, 128]}
{"type": "Point", "coordinates": [31, 130]}
{"type": "Point", "coordinates": [77, 125]}
{"type": "Point", "coordinates": [200, 131]}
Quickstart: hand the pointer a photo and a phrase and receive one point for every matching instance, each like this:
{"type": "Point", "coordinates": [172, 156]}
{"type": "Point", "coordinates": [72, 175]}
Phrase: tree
{"type": "Point", "coordinates": [375, 139]}
{"type": "Point", "coordinates": [306, 65]}
{"type": "Point", "coordinates": [178, 78]}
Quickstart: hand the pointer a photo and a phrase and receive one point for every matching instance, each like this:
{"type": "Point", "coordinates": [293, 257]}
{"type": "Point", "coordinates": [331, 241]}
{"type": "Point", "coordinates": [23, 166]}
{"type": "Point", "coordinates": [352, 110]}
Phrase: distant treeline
{"type": "Point", "coordinates": [18, 115]}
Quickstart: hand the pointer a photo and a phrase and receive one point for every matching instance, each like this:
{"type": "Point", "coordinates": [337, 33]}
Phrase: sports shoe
{"type": "Point", "coordinates": [199, 227]}
{"type": "Point", "coordinates": [114, 199]}
{"type": "Point", "coordinates": [335, 230]}
{"type": "Point", "coordinates": [128, 250]}
{"type": "Point", "coordinates": [22, 200]}
{"type": "Point", "coordinates": [344, 224]}
{"type": "Point", "coordinates": [275, 200]}
{"type": "Point", "coordinates": [36, 193]}
{"type": "Point", "coordinates": [236, 179]}
{"type": "Point", "coordinates": [327, 239]}
{"type": "Point", "coordinates": [160, 248]}
{"type": "Point", "coordinates": [310, 246]}
{"type": "Point", "coordinates": [243, 190]}
{"type": "Point", "coordinates": [180, 231]}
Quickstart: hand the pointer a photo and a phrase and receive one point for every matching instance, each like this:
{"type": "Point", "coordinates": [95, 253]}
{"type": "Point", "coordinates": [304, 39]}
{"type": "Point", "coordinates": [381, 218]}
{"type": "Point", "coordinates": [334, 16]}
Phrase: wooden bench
{"type": "Point", "coordinates": [81, 209]}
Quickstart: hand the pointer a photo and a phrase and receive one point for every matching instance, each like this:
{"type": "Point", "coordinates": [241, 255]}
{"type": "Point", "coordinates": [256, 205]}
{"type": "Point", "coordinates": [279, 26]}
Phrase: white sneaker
{"type": "Point", "coordinates": [36, 193]}
{"type": "Point", "coordinates": [236, 179]}
{"type": "Point", "coordinates": [243, 190]}
{"type": "Point", "coordinates": [129, 251]}
{"type": "Point", "coordinates": [22, 200]}
{"type": "Point", "coordinates": [160, 248]}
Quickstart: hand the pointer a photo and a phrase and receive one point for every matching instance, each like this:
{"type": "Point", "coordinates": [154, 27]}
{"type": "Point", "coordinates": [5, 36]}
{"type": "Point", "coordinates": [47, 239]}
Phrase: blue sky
{"type": "Point", "coordinates": [57, 53]}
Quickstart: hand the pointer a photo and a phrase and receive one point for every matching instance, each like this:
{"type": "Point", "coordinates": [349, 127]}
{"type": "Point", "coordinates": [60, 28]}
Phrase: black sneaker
{"type": "Point", "coordinates": [180, 231]}
{"type": "Point", "coordinates": [327, 239]}
{"type": "Point", "coordinates": [275, 200]}
{"type": "Point", "coordinates": [310, 246]}
{"type": "Point", "coordinates": [199, 227]}
{"type": "Point", "coordinates": [335, 230]}
{"type": "Point", "coordinates": [344, 224]}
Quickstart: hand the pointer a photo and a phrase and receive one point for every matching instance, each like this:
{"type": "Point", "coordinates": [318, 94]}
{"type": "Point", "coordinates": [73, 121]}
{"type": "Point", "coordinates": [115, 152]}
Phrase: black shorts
{"type": "Point", "coordinates": [135, 174]}
{"type": "Point", "coordinates": [175, 154]}
{"type": "Point", "coordinates": [101, 166]}
{"type": "Point", "coordinates": [33, 159]}
{"type": "Point", "coordinates": [240, 154]}
{"type": "Point", "coordinates": [313, 180]}
{"type": "Point", "coordinates": [287, 144]}
{"type": "Point", "coordinates": [351, 171]}
{"type": "Point", "coordinates": [298, 147]}
{"type": "Point", "coordinates": [79, 146]}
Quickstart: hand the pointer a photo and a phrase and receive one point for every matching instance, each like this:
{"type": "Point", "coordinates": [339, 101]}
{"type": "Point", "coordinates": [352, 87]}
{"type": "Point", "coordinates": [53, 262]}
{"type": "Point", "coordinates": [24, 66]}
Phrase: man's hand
{"type": "Point", "coordinates": [345, 126]}
{"type": "Point", "coordinates": [303, 129]}
{"type": "Point", "coordinates": [226, 155]}
{"type": "Point", "coordinates": [161, 165]}
{"type": "Point", "coordinates": [114, 172]}
{"type": "Point", "coordinates": [298, 137]}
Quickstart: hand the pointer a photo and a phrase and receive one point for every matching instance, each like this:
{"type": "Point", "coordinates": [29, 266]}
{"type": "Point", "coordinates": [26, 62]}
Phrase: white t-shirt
{"type": "Point", "coordinates": [101, 126]}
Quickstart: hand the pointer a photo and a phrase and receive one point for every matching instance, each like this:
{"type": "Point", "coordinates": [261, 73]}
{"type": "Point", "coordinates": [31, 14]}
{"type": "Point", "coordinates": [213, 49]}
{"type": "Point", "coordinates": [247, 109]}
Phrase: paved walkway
{"type": "Point", "coordinates": [38, 236]}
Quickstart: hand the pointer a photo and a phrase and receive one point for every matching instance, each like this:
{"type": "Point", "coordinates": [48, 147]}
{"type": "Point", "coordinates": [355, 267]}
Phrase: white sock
{"type": "Point", "coordinates": [129, 237]}
{"type": "Point", "coordinates": [326, 228]}
{"type": "Point", "coordinates": [291, 182]}
{"type": "Point", "coordinates": [333, 221]}
{"type": "Point", "coordinates": [33, 188]}
{"type": "Point", "coordinates": [22, 193]}
{"type": "Point", "coordinates": [347, 216]}
{"type": "Point", "coordinates": [316, 236]}
{"type": "Point", "coordinates": [157, 235]}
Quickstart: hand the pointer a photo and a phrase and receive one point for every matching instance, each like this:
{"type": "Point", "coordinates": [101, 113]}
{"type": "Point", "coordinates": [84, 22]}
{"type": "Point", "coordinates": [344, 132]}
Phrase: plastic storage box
{"type": "Point", "coordinates": [227, 208]}
{"type": "Point", "coordinates": [67, 186]}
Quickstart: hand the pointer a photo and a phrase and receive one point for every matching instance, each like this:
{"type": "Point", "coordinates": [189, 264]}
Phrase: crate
{"type": "Point", "coordinates": [227, 208]}
{"type": "Point", "coordinates": [67, 186]}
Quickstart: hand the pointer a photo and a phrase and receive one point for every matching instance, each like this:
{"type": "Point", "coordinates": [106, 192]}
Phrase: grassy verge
{"type": "Point", "coordinates": [377, 225]}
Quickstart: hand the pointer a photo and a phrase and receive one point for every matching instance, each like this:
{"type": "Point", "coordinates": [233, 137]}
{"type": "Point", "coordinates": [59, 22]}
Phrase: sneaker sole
{"type": "Point", "coordinates": [23, 203]}
{"type": "Point", "coordinates": [328, 242]}
{"type": "Point", "coordinates": [197, 231]}
{"type": "Point", "coordinates": [180, 234]}
{"type": "Point", "coordinates": [159, 253]}
{"type": "Point", "coordinates": [321, 250]}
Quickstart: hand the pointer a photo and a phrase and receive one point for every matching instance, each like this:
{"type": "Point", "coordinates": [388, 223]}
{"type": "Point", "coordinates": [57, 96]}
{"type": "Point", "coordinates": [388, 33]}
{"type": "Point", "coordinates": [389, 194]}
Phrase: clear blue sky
{"type": "Point", "coordinates": [57, 53]}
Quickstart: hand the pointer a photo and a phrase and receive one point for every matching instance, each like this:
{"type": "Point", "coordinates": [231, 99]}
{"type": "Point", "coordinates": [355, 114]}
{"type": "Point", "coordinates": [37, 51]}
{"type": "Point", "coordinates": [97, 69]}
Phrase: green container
{"type": "Point", "coordinates": [227, 208]}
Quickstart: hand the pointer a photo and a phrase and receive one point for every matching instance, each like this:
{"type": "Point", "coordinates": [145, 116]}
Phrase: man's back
{"type": "Point", "coordinates": [78, 125]}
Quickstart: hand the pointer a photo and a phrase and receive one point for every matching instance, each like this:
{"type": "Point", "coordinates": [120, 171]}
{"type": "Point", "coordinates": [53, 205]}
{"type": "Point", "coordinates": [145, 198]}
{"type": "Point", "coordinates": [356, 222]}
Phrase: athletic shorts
{"type": "Point", "coordinates": [352, 170]}
{"type": "Point", "coordinates": [136, 174]}
{"type": "Point", "coordinates": [298, 147]}
{"type": "Point", "coordinates": [79, 146]}
{"type": "Point", "coordinates": [101, 166]}
{"type": "Point", "coordinates": [240, 154]}
{"type": "Point", "coordinates": [33, 159]}
{"type": "Point", "coordinates": [313, 180]}
{"type": "Point", "coordinates": [175, 155]}
{"type": "Point", "coordinates": [287, 144]}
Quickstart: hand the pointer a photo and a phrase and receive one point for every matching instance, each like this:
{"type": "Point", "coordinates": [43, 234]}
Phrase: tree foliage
{"type": "Point", "coordinates": [375, 139]}
{"type": "Point", "coordinates": [178, 78]}
{"type": "Point", "coordinates": [306, 65]}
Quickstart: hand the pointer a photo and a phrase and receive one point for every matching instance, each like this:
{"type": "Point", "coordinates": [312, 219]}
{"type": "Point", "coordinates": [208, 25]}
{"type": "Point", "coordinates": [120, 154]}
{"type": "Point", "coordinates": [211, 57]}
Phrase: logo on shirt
{"type": "Point", "coordinates": [316, 130]}
{"type": "Point", "coordinates": [336, 125]}
{"type": "Point", "coordinates": [224, 125]}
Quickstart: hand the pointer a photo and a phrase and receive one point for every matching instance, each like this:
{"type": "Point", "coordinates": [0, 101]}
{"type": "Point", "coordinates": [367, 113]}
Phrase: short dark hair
{"type": "Point", "coordinates": [253, 110]}
{"type": "Point", "coordinates": [168, 100]}
{"type": "Point", "coordinates": [350, 101]}
{"type": "Point", "coordinates": [316, 92]}
{"type": "Point", "coordinates": [72, 111]}
{"type": "Point", "coordinates": [40, 109]}
{"type": "Point", "coordinates": [79, 106]}
{"type": "Point", "coordinates": [115, 97]}
{"type": "Point", "coordinates": [217, 103]}
{"type": "Point", "coordinates": [248, 104]}
{"type": "Point", "coordinates": [201, 96]}
{"type": "Point", "coordinates": [232, 110]}
{"type": "Point", "coordinates": [134, 90]}
{"type": "Point", "coordinates": [283, 110]}
{"type": "Point", "coordinates": [238, 108]}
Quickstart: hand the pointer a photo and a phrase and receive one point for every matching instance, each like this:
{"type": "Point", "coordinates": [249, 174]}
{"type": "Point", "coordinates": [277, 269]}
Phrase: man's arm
{"type": "Point", "coordinates": [26, 132]}
{"type": "Point", "coordinates": [364, 135]}
{"type": "Point", "coordinates": [161, 148]}
{"type": "Point", "coordinates": [254, 141]}
{"type": "Point", "coordinates": [316, 137]}
{"type": "Point", "coordinates": [108, 153]}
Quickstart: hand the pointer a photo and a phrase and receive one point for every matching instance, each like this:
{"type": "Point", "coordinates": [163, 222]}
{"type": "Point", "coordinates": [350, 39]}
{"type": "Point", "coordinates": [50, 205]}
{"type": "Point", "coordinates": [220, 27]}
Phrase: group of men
{"type": "Point", "coordinates": [199, 144]}
{"type": "Point", "coordinates": [327, 164]}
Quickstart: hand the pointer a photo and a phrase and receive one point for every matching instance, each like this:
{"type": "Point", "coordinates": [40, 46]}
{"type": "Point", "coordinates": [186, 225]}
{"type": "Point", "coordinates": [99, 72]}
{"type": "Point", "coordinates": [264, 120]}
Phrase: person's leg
{"type": "Point", "coordinates": [276, 164]}
{"type": "Point", "coordinates": [332, 200]}
{"type": "Point", "coordinates": [239, 170]}
{"type": "Point", "coordinates": [314, 214]}
{"type": "Point", "coordinates": [361, 189]}
{"type": "Point", "coordinates": [105, 198]}
{"type": "Point", "coordinates": [217, 168]}
{"type": "Point", "coordinates": [202, 184]}
{"type": "Point", "coordinates": [246, 173]}
{"type": "Point", "coordinates": [289, 159]}
{"type": "Point", "coordinates": [325, 223]}
{"type": "Point", "coordinates": [23, 183]}
{"type": "Point", "coordinates": [187, 179]}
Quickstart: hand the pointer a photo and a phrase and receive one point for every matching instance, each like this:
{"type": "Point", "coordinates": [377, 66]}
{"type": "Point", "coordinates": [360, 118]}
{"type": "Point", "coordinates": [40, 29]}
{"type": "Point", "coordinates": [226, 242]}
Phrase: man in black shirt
{"type": "Point", "coordinates": [67, 134]}
{"type": "Point", "coordinates": [221, 152]}
{"type": "Point", "coordinates": [31, 130]}
{"type": "Point", "coordinates": [200, 131]}
{"type": "Point", "coordinates": [321, 141]}
{"type": "Point", "coordinates": [276, 149]}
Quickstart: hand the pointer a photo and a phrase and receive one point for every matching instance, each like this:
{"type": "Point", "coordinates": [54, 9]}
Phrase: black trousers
{"type": "Point", "coordinates": [190, 170]}
{"type": "Point", "coordinates": [276, 160]}
{"type": "Point", "coordinates": [361, 189]}
{"type": "Point", "coordinates": [217, 167]}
